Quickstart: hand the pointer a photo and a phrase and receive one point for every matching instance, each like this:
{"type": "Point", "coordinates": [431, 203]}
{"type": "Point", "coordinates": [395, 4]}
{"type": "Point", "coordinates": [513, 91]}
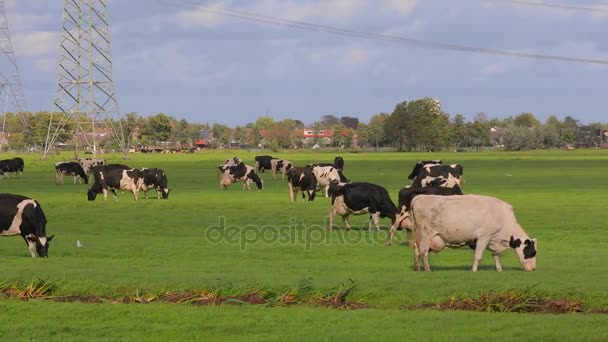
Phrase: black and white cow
{"type": "Point", "coordinates": [154, 179]}
{"type": "Point", "coordinates": [239, 173]}
{"type": "Point", "coordinates": [280, 166]}
{"type": "Point", "coordinates": [301, 179]}
{"type": "Point", "coordinates": [112, 177]}
{"type": "Point", "coordinates": [419, 165]}
{"type": "Point", "coordinates": [11, 165]}
{"type": "Point", "coordinates": [360, 198]}
{"type": "Point", "coordinates": [71, 169]}
{"type": "Point", "coordinates": [338, 165]}
{"type": "Point", "coordinates": [262, 163]}
{"type": "Point", "coordinates": [439, 175]}
{"type": "Point", "coordinates": [406, 195]}
{"type": "Point", "coordinates": [20, 215]}
{"type": "Point", "coordinates": [88, 163]}
{"type": "Point", "coordinates": [325, 175]}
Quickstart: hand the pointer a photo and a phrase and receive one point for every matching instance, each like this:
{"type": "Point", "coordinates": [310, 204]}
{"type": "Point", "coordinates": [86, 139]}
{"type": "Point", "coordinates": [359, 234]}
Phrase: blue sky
{"type": "Point", "coordinates": [171, 57]}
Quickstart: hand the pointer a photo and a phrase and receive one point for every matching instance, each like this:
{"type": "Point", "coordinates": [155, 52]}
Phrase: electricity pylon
{"type": "Point", "coordinates": [85, 96]}
{"type": "Point", "coordinates": [11, 90]}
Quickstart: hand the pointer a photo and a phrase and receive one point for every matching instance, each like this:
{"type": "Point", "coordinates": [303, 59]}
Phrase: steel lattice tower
{"type": "Point", "coordinates": [11, 90]}
{"type": "Point", "coordinates": [85, 94]}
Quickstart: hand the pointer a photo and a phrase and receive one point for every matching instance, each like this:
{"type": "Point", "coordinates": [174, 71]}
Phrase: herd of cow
{"type": "Point", "coordinates": [433, 210]}
{"type": "Point", "coordinates": [20, 215]}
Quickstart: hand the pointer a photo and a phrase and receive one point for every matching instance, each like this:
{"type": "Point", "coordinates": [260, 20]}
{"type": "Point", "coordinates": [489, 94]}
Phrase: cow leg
{"type": "Point", "coordinates": [332, 215]}
{"type": "Point", "coordinates": [292, 194]}
{"type": "Point", "coordinates": [481, 245]}
{"type": "Point", "coordinates": [326, 192]}
{"type": "Point", "coordinates": [346, 223]}
{"type": "Point", "coordinates": [375, 218]}
{"type": "Point", "coordinates": [497, 262]}
{"type": "Point", "coordinates": [135, 192]}
{"type": "Point", "coordinates": [31, 246]}
{"type": "Point", "coordinates": [416, 257]}
{"type": "Point", "coordinates": [105, 193]}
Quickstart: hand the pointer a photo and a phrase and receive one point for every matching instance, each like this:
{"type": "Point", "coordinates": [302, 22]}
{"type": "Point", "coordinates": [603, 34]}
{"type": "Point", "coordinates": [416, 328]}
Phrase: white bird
{"type": "Point", "coordinates": [78, 244]}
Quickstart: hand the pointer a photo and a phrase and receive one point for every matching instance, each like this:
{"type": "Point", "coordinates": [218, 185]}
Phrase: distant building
{"type": "Point", "coordinates": [324, 136]}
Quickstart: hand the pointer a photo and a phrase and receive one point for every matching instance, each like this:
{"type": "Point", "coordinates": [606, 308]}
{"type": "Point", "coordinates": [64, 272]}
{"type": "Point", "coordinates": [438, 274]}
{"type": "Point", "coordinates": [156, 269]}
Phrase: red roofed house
{"type": "Point", "coordinates": [324, 136]}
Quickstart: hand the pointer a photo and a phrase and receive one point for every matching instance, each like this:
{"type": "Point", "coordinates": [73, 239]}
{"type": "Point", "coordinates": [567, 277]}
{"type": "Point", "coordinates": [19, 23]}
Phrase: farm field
{"type": "Point", "coordinates": [235, 242]}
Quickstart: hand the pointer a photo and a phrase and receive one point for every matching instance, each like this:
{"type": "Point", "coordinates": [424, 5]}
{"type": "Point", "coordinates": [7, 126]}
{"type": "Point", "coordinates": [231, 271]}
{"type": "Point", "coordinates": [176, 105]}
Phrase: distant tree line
{"type": "Point", "coordinates": [419, 125]}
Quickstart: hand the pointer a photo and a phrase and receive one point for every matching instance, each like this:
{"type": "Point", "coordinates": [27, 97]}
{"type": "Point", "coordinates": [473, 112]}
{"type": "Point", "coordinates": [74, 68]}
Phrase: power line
{"type": "Point", "coordinates": [553, 5]}
{"type": "Point", "coordinates": [276, 21]}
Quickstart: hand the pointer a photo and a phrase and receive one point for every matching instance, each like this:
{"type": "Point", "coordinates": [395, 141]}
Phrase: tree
{"type": "Point", "coordinates": [459, 131]}
{"type": "Point", "coordinates": [159, 127]}
{"type": "Point", "coordinates": [551, 131]}
{"type": "Point", "coordinates": [221, 133]}
{"type": "Point", "coordinates": [374, 133]}
{"type": "Point", "coordinates": [329, 120]}
{"type": "Point", "coordinates": [350, 122]}
{"type": "Point", "coordinates": [419, 124]}
{"type": "Point", "coordinates": [526, 120]}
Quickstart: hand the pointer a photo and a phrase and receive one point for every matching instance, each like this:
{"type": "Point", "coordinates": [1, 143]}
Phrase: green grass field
{"type": "Point", "coordinates": [267, 242]}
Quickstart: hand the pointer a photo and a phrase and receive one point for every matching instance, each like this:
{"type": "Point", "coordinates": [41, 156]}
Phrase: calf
{"type": "Point", "coordinates": [11, 165]}
{"type": "Point", "coordinates": [20, 215]}
{"type": "Point", "coordinates": [280, 166]}
{"type": "Point", "coordinates": [71, 169]}
{"type": "Point", "coordinates": [453, 221]}
{"type": "Point", "coordinates": [262, 163]}
{"type": "Point", "coordinates": [154, 179]}
{"type": "Point", "coordinates": [360, 198]}
{"type": "Point", "coordinates": [112, 177]}
{"type": "Point", "coordinates": [444, 175]}
{"type": "Point", "coordinates": [301, 179]}
{"type": "Point", "coordinates": [239, 173]}
{"type": "Point", "coordinates": [406, 195]}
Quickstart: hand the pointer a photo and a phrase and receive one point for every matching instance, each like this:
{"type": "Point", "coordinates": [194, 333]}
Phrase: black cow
{"type": "Point", "coordinates": [11, 165]}
{"type": "Point", "coordinates": [338, 165]}
{"type": "Point", "coordinates": [262, 163]}
{"type": "Point", "coordinates": [154, 179]}
{"type": "Point", "coordinates": [406, 195]}
{"type": "Point", "coordinates": [112, 177]}
{"type": "Point", "coordinates": [438, 174]}
{"type": "Point", "coordinates": [20, 215]}
{"type": "Point", "coordinates": [301, 179]}
{"type": "Point", "coordinates": [419, 165]}
{"type": "Point", "coordinates": [71, 169]}
{"type": "Point", "coordinates": [360, 198]}
{"type": "Point", "coordinates": [239, 173]}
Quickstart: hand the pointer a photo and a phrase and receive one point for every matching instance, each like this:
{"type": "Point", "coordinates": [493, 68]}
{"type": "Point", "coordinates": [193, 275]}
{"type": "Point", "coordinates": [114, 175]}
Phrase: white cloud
{"type": "Point", "coordinates": [402, 7]}
{"type": "Point", "coordinates": [46, 64]}
{"type": "Point", "coordinates": [355, 56]}
{"type": "Point", "coordinates": [345, 59]}
{"type": "Point", "coordinates": [36, 43]}
{"type": "Point", "coordinates": [494, 68]}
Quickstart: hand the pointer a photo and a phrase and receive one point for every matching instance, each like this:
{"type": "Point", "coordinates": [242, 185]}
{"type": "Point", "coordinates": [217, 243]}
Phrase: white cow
{"type": "Point", "coordinates": [280, 166]}
{"type": "Point", "coordinates": [480, 222]}
{"type": "Point", "coordinates": [325, 175]}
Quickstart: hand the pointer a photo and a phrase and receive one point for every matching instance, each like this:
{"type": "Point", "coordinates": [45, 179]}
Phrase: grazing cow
{"type": "Point", "coordinates": [360, 198]}
{"type": "Point", "coordinates": [325, 175]}
{"type": "Point", "coordinates": [88, 163]}
{"type": "Point", "coordinates": [338, 165]}
{"type": "Point", "coordinates": [112, 177]}
{"type": "Point", "coordinates": [20, 215]}
{"type": "Point", "coordinates": [301, 179]}
{"type": "Point", "coordinates": [438, 174]}
{"type": "Point", "coordinates": [11, 165]}
{"type": "Point", "coordinates": [262, 163]}
{"type": "Point", "coordinates": [71, 169]}
{"type": "Point", "coordinates": [154, 179]}
{"type": "Point", "coordinates": [406, 195]}
{"type": "Point", "coordinates": [280, 165]}
{"type": "Point", "coordinates": [455, 221]}
{"type": "Point", "coordinates": [419, 165]}
{"type": "Point", "coordinates": [239, 173]}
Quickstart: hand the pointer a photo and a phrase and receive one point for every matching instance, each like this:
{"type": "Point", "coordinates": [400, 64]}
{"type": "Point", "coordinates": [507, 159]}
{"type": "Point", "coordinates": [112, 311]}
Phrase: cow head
{"type": "Point", "coordinates": [39, 245]}
{"type": "Point", "coordinates": [526, 252]}
{"type": "Point", "coordinates": [91, 195]}
{"type": "Point", "coordinates": [339, 163]}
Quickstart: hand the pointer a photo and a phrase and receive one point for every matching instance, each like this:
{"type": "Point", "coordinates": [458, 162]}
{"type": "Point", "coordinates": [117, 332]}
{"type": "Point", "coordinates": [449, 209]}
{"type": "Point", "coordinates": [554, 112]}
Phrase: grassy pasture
{"type": "Point", "coordinates": [268, 242]}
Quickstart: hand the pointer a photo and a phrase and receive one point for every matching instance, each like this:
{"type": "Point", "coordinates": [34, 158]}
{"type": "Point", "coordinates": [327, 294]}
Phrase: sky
{"type": "Point", "coordinates": [172, 57]}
